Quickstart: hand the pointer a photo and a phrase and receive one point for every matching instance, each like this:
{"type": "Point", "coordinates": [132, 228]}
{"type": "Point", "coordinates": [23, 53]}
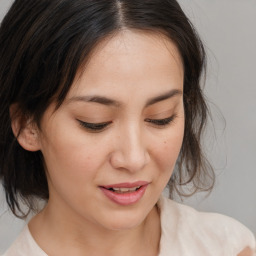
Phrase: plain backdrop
{"type": "Point", "coordinates": [227, 27]}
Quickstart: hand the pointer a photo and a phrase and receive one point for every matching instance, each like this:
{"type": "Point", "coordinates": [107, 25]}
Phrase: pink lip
{"type": "Point", "coordinates": [125, 198]}
{"type": "Point", "coordinates": [127, 184]}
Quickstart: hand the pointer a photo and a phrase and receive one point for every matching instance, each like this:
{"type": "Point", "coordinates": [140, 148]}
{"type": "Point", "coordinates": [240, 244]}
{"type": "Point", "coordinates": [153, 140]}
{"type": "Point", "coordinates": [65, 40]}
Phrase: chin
{"type": "Point", "coordinates": [119, 222]}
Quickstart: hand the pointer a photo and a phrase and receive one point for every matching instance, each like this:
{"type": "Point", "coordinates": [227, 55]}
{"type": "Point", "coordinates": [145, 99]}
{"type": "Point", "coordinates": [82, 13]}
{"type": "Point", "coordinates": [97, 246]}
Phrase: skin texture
{"type": "Point", "coordinates": [246, 252]}
{"type": "Point", "coordinates": [131, 68]}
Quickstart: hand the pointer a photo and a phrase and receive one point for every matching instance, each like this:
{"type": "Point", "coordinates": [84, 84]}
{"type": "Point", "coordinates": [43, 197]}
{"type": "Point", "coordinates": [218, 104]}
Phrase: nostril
{"type": "Point", "coordinates": [130, 151]}
{"type": "Point", "coordinates": [129, 160]}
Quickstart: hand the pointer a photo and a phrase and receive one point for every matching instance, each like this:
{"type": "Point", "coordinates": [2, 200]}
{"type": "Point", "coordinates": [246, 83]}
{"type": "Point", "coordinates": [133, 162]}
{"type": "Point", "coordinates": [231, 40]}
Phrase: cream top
{"type": "Point", "coordinates": [184, 232]}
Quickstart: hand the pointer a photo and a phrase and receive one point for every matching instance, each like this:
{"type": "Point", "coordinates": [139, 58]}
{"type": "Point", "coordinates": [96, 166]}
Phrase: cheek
{"type": "Point", "coordinates": [75, 160]}
{"type": "Point", "coordinates": [169, 153]}
{"type": "Point", "coordinates": [70, 159]}
{"type": "Point", "coordinates": [168, 149]}
{"type": "Point", "coordinates": [72, 171]}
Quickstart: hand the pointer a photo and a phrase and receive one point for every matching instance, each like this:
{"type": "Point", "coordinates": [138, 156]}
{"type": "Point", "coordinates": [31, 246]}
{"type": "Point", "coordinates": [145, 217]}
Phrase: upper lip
{"type": "Point", "coordinates": [127, 184]}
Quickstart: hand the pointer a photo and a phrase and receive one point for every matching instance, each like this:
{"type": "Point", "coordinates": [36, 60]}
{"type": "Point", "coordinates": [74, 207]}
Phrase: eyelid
{"type": "Point", "coordinates": [98, 127]}
{"type": "Point", "coordinates": [161, 122]}
{"type": "Point", "coordinates": [94, 127]}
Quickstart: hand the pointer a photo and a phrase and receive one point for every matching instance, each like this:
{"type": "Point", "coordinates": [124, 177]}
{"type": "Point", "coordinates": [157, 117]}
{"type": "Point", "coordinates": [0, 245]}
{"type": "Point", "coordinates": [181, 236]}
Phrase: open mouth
{"type": "Point", "coordinates": [124, 190]}
{"type": "Point", "coordinates": [125, 193]}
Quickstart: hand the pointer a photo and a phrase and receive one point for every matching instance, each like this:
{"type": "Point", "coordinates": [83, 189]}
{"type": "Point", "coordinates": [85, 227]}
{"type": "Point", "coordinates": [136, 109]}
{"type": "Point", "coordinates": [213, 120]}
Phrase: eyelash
{"type": "Point", "coordinates": [98, 127]}
{"type": "Point", "coordinates": [94, 127]}
{"type": "Point", "coordinates": [162, 122]}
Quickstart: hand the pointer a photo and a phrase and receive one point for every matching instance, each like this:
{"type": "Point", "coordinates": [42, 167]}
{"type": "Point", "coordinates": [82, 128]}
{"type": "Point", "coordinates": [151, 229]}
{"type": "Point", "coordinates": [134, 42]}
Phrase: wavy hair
{"type": "Point", "coordinates": [43, 43]}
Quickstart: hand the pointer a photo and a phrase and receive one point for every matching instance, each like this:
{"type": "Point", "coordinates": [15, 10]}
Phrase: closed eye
{"type": "Point", "coordinates": [94, 127]}
{"type": "Point", "coordinates": [97, 127]}
{"type": "Point", "coordinates": [161, 122]}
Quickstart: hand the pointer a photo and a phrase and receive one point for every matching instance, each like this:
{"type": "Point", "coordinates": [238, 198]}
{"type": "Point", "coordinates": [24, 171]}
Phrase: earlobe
{"type": "Point", "coordinates": [25, 131]}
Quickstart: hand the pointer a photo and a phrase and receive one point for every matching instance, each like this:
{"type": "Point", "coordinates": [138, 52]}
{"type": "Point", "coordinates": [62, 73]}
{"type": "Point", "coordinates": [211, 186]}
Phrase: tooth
{"type": "Point", "coordinates": [124, 189]}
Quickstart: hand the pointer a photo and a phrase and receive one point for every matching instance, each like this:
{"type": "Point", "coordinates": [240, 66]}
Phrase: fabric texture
{"type": "Point", "coordinates": [187, 232]}
{"type": "Point", "coordinates": [184, 232]}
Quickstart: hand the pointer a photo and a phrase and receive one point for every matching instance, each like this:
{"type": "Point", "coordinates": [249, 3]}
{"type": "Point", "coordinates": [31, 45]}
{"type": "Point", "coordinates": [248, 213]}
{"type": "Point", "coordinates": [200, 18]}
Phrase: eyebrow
{"type": "Point", "coordinates": [98, 99]}
{"type": "Point", "coordinates": [164, 96]}
{"type": "Point", "coordinates": [111, 102]}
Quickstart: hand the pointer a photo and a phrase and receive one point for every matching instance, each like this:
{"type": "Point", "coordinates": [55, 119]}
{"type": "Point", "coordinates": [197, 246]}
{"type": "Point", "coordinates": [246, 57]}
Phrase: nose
{"type": "Point", "coordinates": [130, 152]}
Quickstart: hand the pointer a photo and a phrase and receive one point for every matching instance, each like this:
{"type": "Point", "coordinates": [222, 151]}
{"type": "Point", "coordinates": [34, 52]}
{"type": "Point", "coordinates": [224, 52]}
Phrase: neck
{"type": "Point", "coordinates": [57, 233]}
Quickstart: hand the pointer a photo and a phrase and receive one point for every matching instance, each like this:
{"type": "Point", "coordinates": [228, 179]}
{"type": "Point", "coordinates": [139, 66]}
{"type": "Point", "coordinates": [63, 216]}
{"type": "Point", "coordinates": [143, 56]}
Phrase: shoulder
{"type": "Point", "coordinates": [221, 234]}
{"type": "Point", "coordinates": [24, 245]}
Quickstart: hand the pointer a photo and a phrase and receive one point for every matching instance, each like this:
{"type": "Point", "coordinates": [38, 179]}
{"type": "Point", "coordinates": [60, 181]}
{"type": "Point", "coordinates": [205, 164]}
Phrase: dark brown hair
{"type": "Point", "coordinates": [43, 43]}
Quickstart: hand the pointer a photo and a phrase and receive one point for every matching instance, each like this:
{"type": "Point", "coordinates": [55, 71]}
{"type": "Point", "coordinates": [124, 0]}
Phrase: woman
{"type": "Point", "coordinates": [100, 101]}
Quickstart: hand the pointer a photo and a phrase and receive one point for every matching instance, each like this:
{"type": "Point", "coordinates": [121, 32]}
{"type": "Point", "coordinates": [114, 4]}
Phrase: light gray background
{"type": "Point", "coordinates": [228, 29]}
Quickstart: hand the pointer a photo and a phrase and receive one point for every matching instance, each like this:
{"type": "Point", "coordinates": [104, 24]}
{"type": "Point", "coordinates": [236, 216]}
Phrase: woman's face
{"type": "Point", "coordinates": [111, 147]}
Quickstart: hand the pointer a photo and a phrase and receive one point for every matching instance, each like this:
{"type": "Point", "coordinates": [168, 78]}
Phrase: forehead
{"type": "Point", "coordinates": [130, 58]}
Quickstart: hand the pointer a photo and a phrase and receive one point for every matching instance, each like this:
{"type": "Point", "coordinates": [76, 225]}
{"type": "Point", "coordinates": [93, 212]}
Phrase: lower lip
{"type": "Point", "coordinates": [125, 198]}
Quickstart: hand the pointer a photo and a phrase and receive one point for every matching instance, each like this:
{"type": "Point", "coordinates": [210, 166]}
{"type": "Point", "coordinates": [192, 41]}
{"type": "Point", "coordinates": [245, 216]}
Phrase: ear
{"type": "Point", "coordinates": [24, 130]}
